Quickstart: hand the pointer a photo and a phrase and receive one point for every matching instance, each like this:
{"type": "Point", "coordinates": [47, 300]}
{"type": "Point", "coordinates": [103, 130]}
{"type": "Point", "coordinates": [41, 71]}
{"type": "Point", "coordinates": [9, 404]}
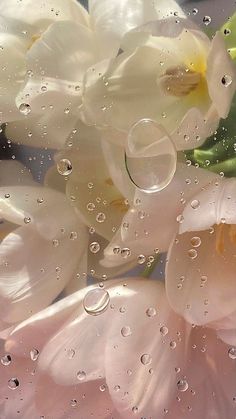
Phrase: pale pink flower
{"type": "Point", "coordinates": [134, 357]}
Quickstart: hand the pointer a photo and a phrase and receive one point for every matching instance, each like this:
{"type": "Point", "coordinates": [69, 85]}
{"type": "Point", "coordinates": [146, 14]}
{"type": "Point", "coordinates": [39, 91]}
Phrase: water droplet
{"type": "Point", "coordinates": [195, 241]}
{"type": "Point", "coordinates": [100, 218]}
{"type": "Point", "coordinates": [90, 206]}
{"type": "Point", "coordinates": [192, 253]}
{"type": "Point", "coordinates": [125, 252]}
{"type": "Point", "coordinates": [27, 220]}
{"type": "Point", "coordinates": [71, 353]}
{"type": "Point", "coordinates": [6, 360]}
{"type": "Point", "coordinates": [151, 312]}
{"type": "Point", "coordinates": [150, 156]}
{"type": "Point", "coordinates": [81, 375]}
{"type": "Point", "coordinates": [226, 80]}
{"type": "Point", "coordinates": [135, 409]}
{"type": "Point", "coordinates": [164, 330]}
{"type": "Point", "coordinates": [126, 331]}
{"type": "Point", "coordinates": [94, 247]}
{"type": "Point", "coordinates": [73, 403]}
{"type": "Point", "coordinates": [195, 204]}
{"type": "Point", "coordinates": [232, 353]}
{"type": "Point", "coordinates": [34, 354]}
{"type": "Point", "coordinates": [146, 359]}
{"type": "Point", "coordinates": [182, 385]}
{"type": "Point", "coordinates": [117, 388]}
{"type": "Point", "coordinates": [207, 20]}
{"type": "Point", "coordinates": [13, 383]}
{"type": "Point", "coordinates": [64, 167]}
{"type": "Point", "coordinates": [96, 301]}
{"type": "Point", "coordinates": [141, 259]}
{"type": "Point", "coordinates": [102, 388]}
{"type": "Point", "coordinates": [195, 11]}
{"type": "Point", "coordinates": [173, 344]}
{"type": "Point", "coordinates": [25, 109]}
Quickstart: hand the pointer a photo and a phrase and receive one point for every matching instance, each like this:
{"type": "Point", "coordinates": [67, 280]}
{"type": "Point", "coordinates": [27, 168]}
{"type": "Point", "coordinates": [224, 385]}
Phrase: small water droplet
{"type": "Point", "coordinates": [192, 253]}
{"type": "Point", "coordinates": [27, 220]}
{"type": "Point", "coordinates": [126, 331]}
{"type": "Point", "coordinates": [13, 383]}
{"type": "Point", "coordinates": [81, 375]}
{"type": "Point", "coordinates": [182, 385]}
{"type": "Point", "coordinates": [207, 20]}
{"type": "Point", "coordinates": [34, 354]}
{"type": "Point", "coordinates": [64, 167]}
{"type": "Point", "coordinates": [146, 359]}
{"type": "Point", "coordinates": [125, 252]}
{"type": "Point", "coordinates": [195, 204]}
{"type": "Point", "coordinates": [96, 301]}
{"type": "Point", "coordinates": [6, 360]}
{"type": "Point", "coordinates": [151, 312]}
{"type": "Point", "coordinates": [100, 218]}
{"type": "Point", "coordinates": [232, 353]}
{"type": "Point", "coordinates": [94, 247]}
{"type": "Point", "coordinates": [25, 108]}
{"type": "Point", "coordinates": [226, 80]}
{"type": "Point", "coordinates": [195, 241]}
{"type": "Point", "coordinates": [164, 330]}
{"type": "Point", "coordinates": [141, 259]}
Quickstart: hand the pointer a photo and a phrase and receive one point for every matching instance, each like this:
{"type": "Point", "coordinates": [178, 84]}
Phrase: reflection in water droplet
{"type": "Point", "coordinates": [226, 80]}
{"type": "Point", "coordinates": [96, 301]}
{"type": "Point", "coordinates": [34, 354]}
{"type": "Point", "coordinates": [146, 359]}
{"type": "Point", "coordinates": [6, 360]}
{"type": "Point", "coordinates": [81, 375]}
{"type": "Point", "coordinates": [150, 156]}
{"type": "Point", "coordinates": [232, 353]}
{"type": "Point", "coordinates": [25, 109]}
{"type": "Point", "coordinates": [182, 385]}
{"type": "Point", "coordinates": [164, 330]}
{"type": "Point", "coordinates": [13, 383]}
{"type": "Point", "coordinates": [64, 167]}
{"type": "Point", "coordinates": [126, 331]}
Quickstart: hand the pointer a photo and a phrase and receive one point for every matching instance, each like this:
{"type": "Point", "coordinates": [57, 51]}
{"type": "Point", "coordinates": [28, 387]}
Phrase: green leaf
{"type": "Point", "coordinates": [229, 32]}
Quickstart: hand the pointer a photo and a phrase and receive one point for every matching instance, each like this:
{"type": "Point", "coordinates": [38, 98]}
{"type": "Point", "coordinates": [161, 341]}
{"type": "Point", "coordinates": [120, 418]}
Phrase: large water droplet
{"type": "Point", "coordinates": [64, 167]}
{"type": "Point", "coordinates": [182, 385]}
{"type": "Point", "coordinates": [25, 109]}
{"type": "Point", "coordinates": [96, 301]}
{"type": "Point", "coordinates": [150, 156]}
{"type": "Point", "coordinates": [13, 383]}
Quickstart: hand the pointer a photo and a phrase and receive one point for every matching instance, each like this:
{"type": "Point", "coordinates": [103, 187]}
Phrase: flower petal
{"type": "Point", "coordinates": [200, 280]}
{"type": "Point", "coordinates": [111, 20]}
{"type": "Point", "coordinates": [221, 76]}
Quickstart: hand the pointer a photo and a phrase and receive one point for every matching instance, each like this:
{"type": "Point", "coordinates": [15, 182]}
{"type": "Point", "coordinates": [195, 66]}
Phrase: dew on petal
{"type": "Point", "coordinates": [34, 354]}
{"type": "Point", "coordinates": [226, 80]}
{"type": "Point", "coordinates": [232, 353]}
{"type": "Point", "coordinates": [146, 359]}
{"type": "Point", "coordinates": [64, 167]}
{"type": "Point", "coordinates": [6, 360]}
{"type": "Point", "coordinates": [94, 247]}
{"type": "Point", "coordinates": [182, 385]}
{"type": "Point", "coordinates": [96, 301]}
{"type": "Point", "coordinates": [151, 312]}
{"type": "Point", "coordinates": [81, 375]}
{"type": "Point", "coordinates": [150, 157]}
{"type": "Point", "coordinates": [164, 330]}
{"type": "Point", "coordinates": [126, 331]}
{"type": "Point", "coordinates": [13, 383]}
{"type": "Point", "coordinates": [25, 108]}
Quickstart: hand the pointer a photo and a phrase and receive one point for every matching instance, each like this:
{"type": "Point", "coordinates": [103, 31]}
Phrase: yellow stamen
{"type": "Point", "coordinates": [180, 81]}
{"type": "Point", "coordinates": [221, 231]}
{"type": "Point", "coordinates": [109, 182]}
{"type": "Point", "coordinates": [34, 38]}
{"type": "Point", "coordinates": [119, 204]}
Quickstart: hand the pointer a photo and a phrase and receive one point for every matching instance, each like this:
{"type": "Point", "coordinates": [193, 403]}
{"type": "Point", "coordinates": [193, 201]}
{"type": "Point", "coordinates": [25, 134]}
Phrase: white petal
{"type": "Point", "coordinates": [215, 204]}
{"type": "Point", "coordinates": [200, 281]}
{"type": "Point", "coordinates": [42, 14]}
{"type": "Point", "coordinates": [149, 386]}
{"type": "Point", "coordinates": [221, 76]}
{"type": "Point", "coordinates": [111, 20]}
{"type": "Point", "coordinates": [146, 227]}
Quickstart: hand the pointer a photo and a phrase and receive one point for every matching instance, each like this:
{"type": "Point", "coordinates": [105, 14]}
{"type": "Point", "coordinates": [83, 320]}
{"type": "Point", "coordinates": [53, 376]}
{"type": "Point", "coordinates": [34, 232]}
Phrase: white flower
{"type": "Point", "coordinates": [200, 274]}
{"type": "Point", "coordinates": [46, 49]}
{"type": "Point", "coordinates": [135, 358]}
{"type": "Point", "coordinates": [42, 245]}
{"type": "Point", "coordinates": [168, 71]}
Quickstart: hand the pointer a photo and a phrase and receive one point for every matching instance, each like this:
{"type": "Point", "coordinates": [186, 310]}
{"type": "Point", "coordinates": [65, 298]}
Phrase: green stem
{"type": "Point", "coordinates": [147, 272]}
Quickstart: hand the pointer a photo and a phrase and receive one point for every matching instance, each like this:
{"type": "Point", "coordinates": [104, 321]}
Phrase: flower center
{"type": "Point", "coordinates": [34, 38]}
{"type": "Point", "coordinates": [119, 201]}
{"type": "Point", "coordinates": [221, 231]}
{"type": "Point", "coordinates": [180, 81]}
